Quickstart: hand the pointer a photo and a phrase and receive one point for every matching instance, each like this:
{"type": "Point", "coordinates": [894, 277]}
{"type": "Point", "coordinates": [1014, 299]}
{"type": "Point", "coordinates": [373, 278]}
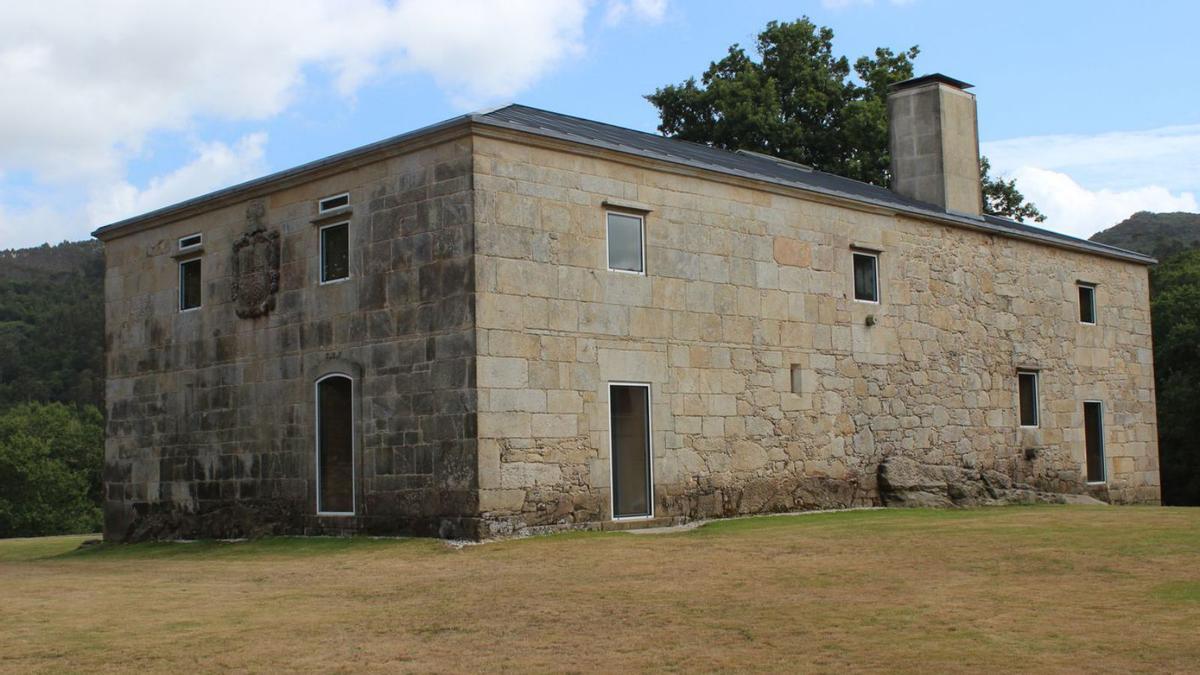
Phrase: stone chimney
{"type": "Point", "coordinates": [934, 142]}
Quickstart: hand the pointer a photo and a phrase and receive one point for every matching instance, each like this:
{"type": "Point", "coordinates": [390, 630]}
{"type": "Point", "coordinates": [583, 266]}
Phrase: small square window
{"type": "Point", "coordinates": [189, 284]}
{"type": "Point", "coordinates": [334, 202]}
{"type": "Point", "coordinates": [866, 277]}
{"type": "Point", "coordinates": [1087, 303]}
{"type": "Point", "coordinates": [626, 252]}
{"type": "Point", "coordinates": [1027, 385]}
{"type": "Point", "coordinates": [335, 252]}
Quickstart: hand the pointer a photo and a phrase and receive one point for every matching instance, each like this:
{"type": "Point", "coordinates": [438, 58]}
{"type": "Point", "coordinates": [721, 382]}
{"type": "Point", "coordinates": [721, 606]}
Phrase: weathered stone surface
{"type": "Point", "coordinates": [905, 482]}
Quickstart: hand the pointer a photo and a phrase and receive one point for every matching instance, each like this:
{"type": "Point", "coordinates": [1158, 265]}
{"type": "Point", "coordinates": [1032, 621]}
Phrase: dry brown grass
{"type": "Point", "coordinates": [1016, 589]}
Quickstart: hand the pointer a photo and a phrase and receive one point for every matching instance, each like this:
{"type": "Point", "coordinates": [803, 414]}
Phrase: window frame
{"type": "Point", "coordinates": [612, 465]}
{"type": "Point", "coordinates": [874, 256]}
{"type": "Point", "coordinates": [1103, 445]}
{"type": "Point", "coordinates": [199, 237]}
{"type": "Point", "coordinates": [353, 444]}
{"type": "Point", "coordinates": [1037, 398]}
{"type": "Point", "coordinates": [321, 208]}
{"type": "Point", "coordinates": [641, 217]}
{"type": "Point", "coordinates": [321, 253]}
{"type": "Point", "coordinates": [180, 292]}
{"type": "Point", "coordinates": [1081, 286]}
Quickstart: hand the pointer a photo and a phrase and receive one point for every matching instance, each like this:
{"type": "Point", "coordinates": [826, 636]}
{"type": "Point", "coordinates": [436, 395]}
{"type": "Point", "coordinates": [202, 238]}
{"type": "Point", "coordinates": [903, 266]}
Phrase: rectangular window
{"type": "Point", "coordinates": [632, 457]}
{"type": "Point", "coordinates": [335, 252]}
{"type": "Point", "coordinates": [189, 284]}
{"type": "Point", "coordinates": [334, 202]}
{"type": "Point", "coordinates": [626, 250]}
{"type": "Point", "coordinates": [1093, 433]}
{"type": "Point", "coordinates": [866, 277]}
{"type": "Point", "coordinates": [1027, 384]}
{"type": "Point", "coordinates": [1087, 303]}
{"type": "Point", "coordinates": [190, 241]}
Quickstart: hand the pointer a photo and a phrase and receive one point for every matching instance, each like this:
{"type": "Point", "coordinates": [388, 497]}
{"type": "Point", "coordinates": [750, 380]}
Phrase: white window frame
{"type": "Point", "coordinates": [321, 203]}
{"type": "Point", "coordinates": [321, 253]}
{"type": "Point", "coordinates": [179, 304]}
{"type": "Point", "coordinates": [1079, 286]}
{"type": "Point", "coordinates": [1037, 398]}
{"type": "Point", "coordinates": [641, 240]}
{"type": "Point", "coordinates": [199, 241]}
{"type": "Point", "coordinates": [874, 256]}
{"type": "Point", "coordinates": [1103, 446]}
{"type": "Point", "coordinates": [612, 475]}
{"type": "Point", "coordinates": [353, 445]}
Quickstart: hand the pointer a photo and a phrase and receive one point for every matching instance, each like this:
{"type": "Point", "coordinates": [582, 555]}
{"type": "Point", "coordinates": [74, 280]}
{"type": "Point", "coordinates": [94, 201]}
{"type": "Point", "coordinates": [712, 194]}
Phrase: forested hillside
{"type": "Point", "coordinates": [1173, 238]}
{"type": "Point", "coordinates": [51, 388]}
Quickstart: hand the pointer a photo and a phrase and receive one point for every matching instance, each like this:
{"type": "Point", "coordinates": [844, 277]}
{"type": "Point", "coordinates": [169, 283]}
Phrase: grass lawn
{"type": "Point", "coordinates": [1011, 589]}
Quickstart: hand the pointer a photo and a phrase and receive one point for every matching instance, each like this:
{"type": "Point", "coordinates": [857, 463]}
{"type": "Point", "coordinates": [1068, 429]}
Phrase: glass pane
{"type": "Point", "coordinates": [1087, 304]}
{"type": "Point", "coordinates": [631, 450]}
{"type": "Point", "coordinates": [1028, 396]}
{"type": "Point", "coordinates": [335, 445]}
{"type": "Point", "coordinates": [189, 284]}
{"type": "Point", "coordinates": [335, 252]}
{"type": "Point", "coordinates": [624, 242]}
{"type": "Point", "coordinates": [1093, 430]}
{"type": "Point", "coordinates": [866, 285]}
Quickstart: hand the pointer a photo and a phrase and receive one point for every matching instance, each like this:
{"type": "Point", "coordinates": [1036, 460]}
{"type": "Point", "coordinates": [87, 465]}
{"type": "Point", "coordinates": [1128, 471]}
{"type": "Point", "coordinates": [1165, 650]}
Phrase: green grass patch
{"type": "Point", "coordinates": [1178, 591]}
{"type": "Point", "coordinates": [38, 548]}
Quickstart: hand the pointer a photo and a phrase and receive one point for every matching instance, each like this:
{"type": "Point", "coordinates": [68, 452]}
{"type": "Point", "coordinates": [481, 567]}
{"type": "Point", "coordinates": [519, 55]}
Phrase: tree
{"type": "Point", "coordinates": [50, 460]}
{"type": "Point", "coordinates": [798, 102]}
{"type": "Point", "coordinates": [1175, 314]}
{"type": "Point", "coordinates": [1001, 197]}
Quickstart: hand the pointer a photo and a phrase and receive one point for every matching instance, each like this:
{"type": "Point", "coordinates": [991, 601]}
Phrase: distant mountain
{"type": "Point", "coordinates": [1161, 235]}
{"type": "Point", "coordinates": [52, 324]}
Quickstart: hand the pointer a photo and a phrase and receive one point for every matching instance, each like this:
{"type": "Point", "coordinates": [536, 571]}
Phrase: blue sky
{"type": "Point", "coordinates": [132, 105]}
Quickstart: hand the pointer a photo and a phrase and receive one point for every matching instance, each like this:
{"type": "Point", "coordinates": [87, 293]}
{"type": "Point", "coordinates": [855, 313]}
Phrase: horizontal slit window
{"type": "Point", "coordinates": [334, 202]}
{"type": "Point", "coordinates": [190, 241]}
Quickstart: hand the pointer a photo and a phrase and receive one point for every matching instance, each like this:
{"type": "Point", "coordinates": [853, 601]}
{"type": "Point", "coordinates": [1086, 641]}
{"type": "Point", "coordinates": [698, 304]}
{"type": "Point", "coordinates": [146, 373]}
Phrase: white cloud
{"type": "Point", "coordinates": [1076, 210]}
{"type": "Point", "coordinates": [86, 82]}
{"type": "Point", "coordinates": [216, 165]}
{"type": "Point", "coordinates": [1085, 183]}
{"type": "Point", "coordinates": [648, 11]}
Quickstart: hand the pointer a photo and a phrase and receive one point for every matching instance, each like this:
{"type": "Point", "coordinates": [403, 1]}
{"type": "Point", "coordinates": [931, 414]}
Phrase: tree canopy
{"type": "Point", "coordinates": [799, 101]}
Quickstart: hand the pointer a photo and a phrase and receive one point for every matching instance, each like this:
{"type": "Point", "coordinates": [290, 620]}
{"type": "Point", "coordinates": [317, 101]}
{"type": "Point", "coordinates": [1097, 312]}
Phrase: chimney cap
{"type": "Point", "coordinates": [926, 79]}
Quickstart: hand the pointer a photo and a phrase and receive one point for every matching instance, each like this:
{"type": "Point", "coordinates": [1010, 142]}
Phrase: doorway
{"type": "Point", "coordinates": [335, 445]}
{"type": "Point", "coordinates": [1093, 433]}
{"type": "Point", "coordinates": [632, 455]}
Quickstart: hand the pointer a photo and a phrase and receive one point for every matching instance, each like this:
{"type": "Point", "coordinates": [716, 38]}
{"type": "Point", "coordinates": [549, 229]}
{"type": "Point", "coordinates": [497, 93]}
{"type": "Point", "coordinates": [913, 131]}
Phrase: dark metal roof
{"type": "Point", "coordinates": [925, 79]}
{"type": "Point", "coordinates": [753, 166]}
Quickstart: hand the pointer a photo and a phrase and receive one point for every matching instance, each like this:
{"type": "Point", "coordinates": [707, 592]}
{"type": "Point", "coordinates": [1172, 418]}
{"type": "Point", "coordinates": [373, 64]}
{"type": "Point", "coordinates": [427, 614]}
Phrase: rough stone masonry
{"type": "Point", "coordinates": [481, 329]}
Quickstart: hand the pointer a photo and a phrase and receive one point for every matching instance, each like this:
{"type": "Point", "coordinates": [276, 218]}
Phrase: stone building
{"type": "Point", "coordinates": [516, 320]}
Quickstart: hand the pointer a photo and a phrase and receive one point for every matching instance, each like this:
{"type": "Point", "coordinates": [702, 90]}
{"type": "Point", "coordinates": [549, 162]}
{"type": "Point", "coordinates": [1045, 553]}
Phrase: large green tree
{"type": "Point", "coordinates": [798, 101]}
{"type": "Point", "coordinates": [1175, 313]}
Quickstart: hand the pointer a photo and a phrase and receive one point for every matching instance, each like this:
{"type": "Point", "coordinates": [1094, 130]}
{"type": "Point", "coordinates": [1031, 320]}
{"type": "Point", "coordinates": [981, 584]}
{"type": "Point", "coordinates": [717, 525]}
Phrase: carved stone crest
{"type": "Point", "coordinates": [255, 272]}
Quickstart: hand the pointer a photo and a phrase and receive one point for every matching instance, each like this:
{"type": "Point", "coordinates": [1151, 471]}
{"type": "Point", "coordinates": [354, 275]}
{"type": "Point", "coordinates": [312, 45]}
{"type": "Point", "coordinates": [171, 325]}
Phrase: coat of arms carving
{"type": "Point", "coordinates": [255, 272]}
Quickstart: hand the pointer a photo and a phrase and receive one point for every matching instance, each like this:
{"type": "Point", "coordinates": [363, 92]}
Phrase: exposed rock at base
{"type": "Point", "coordinates": [906, 482]}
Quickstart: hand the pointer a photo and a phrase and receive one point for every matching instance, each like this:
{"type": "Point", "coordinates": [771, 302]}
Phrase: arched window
{"type": "Point", "coordinates": [335, 445]}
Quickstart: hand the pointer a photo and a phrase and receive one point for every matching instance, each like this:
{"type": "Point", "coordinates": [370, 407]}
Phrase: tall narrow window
{"type": "Point", "coordinates": [335, 252]}
{"type": "Point", "coordinates": [335, 445]}
{"type": "Point", "coordinates": [1087, 303]}
{"type": "Point", "coordinates": [632, 486]}
{"type": "Point", "coordinates": [626, 249]}
{"type": "Point", "coordinates": [1093, 435]}
{"type": "Point", "coordinates": [189, 284]}
{"type": "Point", "coordinates": [1027, 385]}
{"type": "Point", "coordinates": [866, 277]}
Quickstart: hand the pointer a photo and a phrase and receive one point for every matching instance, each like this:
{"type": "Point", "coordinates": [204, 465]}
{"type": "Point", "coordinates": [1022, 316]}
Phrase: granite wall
{"type": "Point", "coordinates": [211, 415]}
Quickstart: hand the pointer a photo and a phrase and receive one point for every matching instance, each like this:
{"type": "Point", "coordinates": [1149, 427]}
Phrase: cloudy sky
{"type": "Point", "coordinates": [115, 108]}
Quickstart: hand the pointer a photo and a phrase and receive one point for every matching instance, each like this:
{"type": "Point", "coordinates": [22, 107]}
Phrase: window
{"type": "Point", "coordinates": [335, 445]}
{"type": "Point", "coordinates": [334, 202]}
{"type": "Point", "coordinates": [1087, 303]}
{"type": "Point", "coordinates": [190, 241]}
{"type": "Point", "coordinates": [1027, 385]}
{"type": "Point", "coordinates": [189, 284]}
{"type": "Point", "coordinates": [632, 456]}
{"type": "Point", "coordinates": [335, 252]}
{"type": "Point", "coordinates": [866, 277]}
{"type": "Point", "coordinates": [797, 379]}
{"type": "Point", "coordinates": [625, 243]}
{"type": "Point", "coordinates": [1093, 435]}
